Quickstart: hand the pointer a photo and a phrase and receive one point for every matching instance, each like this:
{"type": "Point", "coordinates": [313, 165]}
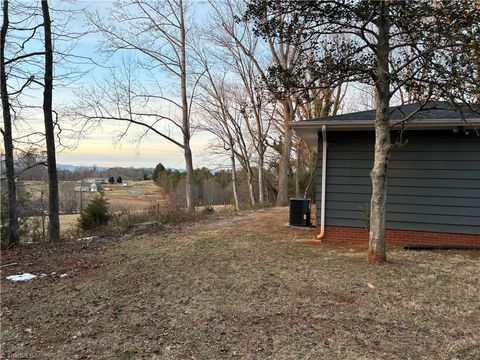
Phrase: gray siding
{"type": "Point", "coordinates": [433, 181]}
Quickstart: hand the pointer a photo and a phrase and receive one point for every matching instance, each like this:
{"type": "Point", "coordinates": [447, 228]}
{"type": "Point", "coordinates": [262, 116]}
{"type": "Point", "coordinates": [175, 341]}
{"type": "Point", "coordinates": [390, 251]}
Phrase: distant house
{"type": "Point", "coordinates": [89, 185]}
{"type": "Point", "coordinates": [82, 188]}
{"type": "Point", "coordinates": [433, 176]}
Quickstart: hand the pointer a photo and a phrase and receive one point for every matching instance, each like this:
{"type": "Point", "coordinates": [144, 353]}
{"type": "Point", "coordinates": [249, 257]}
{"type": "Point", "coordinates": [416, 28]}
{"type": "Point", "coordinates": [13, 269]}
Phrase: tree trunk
{"type": "Point", "coordinates": [297, 170]}
{"type": "Point", "coordinates": [189, 180]}
{"type": "Point", "coordinates": [234, 180]}
{"type": "Point", "coordinates": [282, 195]}
{"type": "Point", "coordinates": [185, 111]}
{"type": "Point", "coordinates": [477, 64]}
{"type": "Point", "coordinates": [376, 244]}
{"type": "Point", "coordinates": [44, 236]}
{"type": "Point", "coordinates": [53, 198]}
{"type": "Point", "coordinates": [13, 238]}
{"type": "Point", "coordinates": [250, 185]}
{"type": "Point", "coordinates": [261, 180]}
{"type": "Point", "coordinates": [475, 53]}
{"type": "Point", "coordinates": [260, 151]}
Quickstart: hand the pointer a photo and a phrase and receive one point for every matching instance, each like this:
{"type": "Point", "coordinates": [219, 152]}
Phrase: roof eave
{"type": "Point", "coordinates": [369, 125]}
{"type": "Point", "coordinates": [308, 130]}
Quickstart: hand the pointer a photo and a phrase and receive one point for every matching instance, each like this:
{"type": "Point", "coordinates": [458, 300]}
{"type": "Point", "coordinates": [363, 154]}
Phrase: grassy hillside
{"type": "Point", "coordinates": [237, 287]}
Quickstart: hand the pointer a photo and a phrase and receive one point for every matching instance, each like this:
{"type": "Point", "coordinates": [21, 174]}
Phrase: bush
{"type": "Point", "coordinates": [95, 214]}
{"type": "Point", "coordinates": [125, 219]}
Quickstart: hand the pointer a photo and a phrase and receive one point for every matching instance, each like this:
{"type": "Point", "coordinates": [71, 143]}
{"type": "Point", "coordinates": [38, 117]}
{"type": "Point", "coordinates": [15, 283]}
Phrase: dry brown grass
{"type": "Point", "coordinates": [239, 287]}
{"type": "Point", "coordinates": [137, 195]}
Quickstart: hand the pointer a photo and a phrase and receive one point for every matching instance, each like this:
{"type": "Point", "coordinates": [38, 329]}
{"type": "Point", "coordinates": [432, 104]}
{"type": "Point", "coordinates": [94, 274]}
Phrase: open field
{"type": "Point", "coordinates": [68, 221]}
{"type": "Point", "coordinates": [137, 195]}
{"type": "Point", "coordinates": [242, 286]}
{"type": "Point", "coordinates": [137, 192]}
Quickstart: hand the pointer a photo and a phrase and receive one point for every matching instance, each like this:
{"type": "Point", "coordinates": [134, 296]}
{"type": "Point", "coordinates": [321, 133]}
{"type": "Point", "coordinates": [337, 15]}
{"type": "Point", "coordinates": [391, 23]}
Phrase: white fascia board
{"type": "Point", "coordinates": [308, 130]}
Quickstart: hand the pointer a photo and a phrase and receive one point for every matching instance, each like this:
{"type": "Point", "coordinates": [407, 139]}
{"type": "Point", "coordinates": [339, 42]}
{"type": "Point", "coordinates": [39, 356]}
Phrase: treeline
{"type": "Point", "coordinates": [130, 173]}
{"type": "Point", "coordinates": [215, 187]}
{"type": "Point", "coordinates": [30, 166]}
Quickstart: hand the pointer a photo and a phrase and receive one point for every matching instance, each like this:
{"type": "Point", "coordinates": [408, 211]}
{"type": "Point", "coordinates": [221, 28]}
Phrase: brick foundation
{"type": "Point", "coordinates": [399, 237]}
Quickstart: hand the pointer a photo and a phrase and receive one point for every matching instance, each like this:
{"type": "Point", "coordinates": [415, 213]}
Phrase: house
{"type": "Point", "coordinates": [82, 188]}
{"type": "Point", "coordinates": [433, 175]}
{"type": "Point", "coordinates": [89, 185]}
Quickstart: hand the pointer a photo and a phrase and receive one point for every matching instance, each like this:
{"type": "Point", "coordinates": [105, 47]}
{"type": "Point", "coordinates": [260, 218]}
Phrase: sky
{"type": "Point", "coordinates": [99, 147]}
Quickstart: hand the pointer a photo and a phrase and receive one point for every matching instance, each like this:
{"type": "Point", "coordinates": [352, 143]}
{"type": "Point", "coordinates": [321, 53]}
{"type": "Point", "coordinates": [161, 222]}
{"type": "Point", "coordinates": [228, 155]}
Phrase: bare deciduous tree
{"type": "Point", "coordinates": [7, 135]}
{"type": "Point", "coordinates": [158, 33]}
{"type": "Point", "coordinates": [32, 35]}
{"type": "Point", "coordinates": [257, 106]}
{"type": "Point", "coordinates": [283, 53]}
{"type": "Point", "coordinates": [215, 102]}
{"type": "Point", "coordinates": [53, 197]}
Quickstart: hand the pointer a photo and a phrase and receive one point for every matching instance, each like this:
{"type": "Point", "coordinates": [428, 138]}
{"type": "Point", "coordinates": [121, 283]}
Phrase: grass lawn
{"type": "Point", "coordinates": [238, 287]}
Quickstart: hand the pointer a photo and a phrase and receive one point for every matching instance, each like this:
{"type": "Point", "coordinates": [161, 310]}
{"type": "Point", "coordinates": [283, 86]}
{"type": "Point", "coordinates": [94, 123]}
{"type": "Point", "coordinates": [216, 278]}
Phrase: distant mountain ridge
{"type": "Point", "coordinates": [101, 168]}
{"type": "Point", "coordinates": [77, 167]}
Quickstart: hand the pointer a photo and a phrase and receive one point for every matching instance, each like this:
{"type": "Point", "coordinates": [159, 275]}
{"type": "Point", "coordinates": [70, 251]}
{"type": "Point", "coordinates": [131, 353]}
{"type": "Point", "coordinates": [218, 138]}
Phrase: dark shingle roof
{"type": "Point", "coordinates": [433, 115]}
{"type": "Point", "coordinates": [434, 110]}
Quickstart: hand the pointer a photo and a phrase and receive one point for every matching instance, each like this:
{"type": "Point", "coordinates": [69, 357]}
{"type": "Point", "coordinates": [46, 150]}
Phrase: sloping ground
{"type": "Point", "coordinates": [238, 287]}
{"type": "Point", "coordinates": [137, 195]}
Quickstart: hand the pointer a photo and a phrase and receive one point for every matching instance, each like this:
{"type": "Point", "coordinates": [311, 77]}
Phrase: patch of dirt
{"type": "Point", "coordinates": [152, 227]}
{"type": "Point", "coordinates": [241, 286]}
{"type": "Point", "coordinates": [345, 299]}
{"type": "Point", "coordinates": [73, 256]}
